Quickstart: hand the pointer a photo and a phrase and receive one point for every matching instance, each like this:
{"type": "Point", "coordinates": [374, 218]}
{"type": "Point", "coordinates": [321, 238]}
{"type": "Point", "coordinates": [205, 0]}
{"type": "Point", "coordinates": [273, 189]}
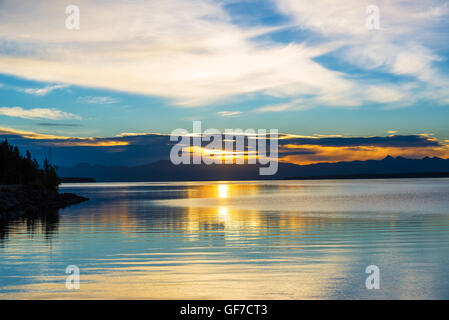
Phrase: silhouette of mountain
{"type": "Point", "coordinates": [165, 171]}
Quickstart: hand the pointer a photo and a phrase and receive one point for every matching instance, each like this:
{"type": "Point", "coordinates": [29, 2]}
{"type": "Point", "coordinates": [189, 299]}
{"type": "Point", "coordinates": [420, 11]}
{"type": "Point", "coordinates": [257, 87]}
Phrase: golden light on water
{"type": "Point", "coordinates": [223, 211]}
{"type": "Point", "coordinates": [192, 271]}
{"type": "Point", "coordinates": [223, 190]}
{"type": "Point", "coordinates": [220, 240]}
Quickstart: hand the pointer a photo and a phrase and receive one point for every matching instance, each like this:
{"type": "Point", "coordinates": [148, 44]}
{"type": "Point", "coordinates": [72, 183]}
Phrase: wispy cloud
{"type": "Point", "coordinates": [406, 44]}
{"type": "Point", "coordinates": [290, 106]}
{"type": "Point", "coordinates": [98, 100]}
{"type": "Point", "coordinates": [30, 134]}
{"type": "Point", "coordinates": [53, 124]}
{"type": "Point", "coordinates": [229, 113]}
{"type": "Point", "coordinates": [186, 51]}
{"type": "Point", "coordinates": [45, 90]}
{"type": "Point", "coordinates": [192, 53]}
{"type": "Point", "coordinates": [37, 113]}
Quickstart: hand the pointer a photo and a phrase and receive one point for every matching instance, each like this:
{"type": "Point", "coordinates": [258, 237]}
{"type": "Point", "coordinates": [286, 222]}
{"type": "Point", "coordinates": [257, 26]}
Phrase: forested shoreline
{"type": "Point", "coordinates": [26, 187]}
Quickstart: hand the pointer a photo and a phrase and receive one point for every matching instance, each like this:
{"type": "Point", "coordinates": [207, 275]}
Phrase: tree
{"type": "Point", "coordinates": [51, 179]}
{"type": "Point", "coordinates": [16, 169]}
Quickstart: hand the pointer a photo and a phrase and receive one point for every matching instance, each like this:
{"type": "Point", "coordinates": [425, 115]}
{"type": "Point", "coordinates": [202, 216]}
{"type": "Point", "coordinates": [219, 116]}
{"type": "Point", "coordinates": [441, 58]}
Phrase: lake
{"type": "Point", "coordinates": [235, 240]}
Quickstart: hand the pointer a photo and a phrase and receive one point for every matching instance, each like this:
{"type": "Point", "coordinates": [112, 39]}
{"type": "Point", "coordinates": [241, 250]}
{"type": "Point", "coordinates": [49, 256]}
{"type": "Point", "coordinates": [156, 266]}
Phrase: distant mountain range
{"type": "Point", "coordinates": [165, 171]}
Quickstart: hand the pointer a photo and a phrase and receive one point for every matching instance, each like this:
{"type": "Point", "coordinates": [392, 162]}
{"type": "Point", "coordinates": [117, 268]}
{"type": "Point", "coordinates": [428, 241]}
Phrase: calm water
{"type": "Point", "coordinates": [227, 240]}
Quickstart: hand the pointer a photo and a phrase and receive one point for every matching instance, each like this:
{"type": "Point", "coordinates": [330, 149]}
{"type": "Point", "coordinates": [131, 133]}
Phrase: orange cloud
{"type": "Point", "coordinates": [63, 140]}
{"type": "Point", "coordinates": [295, 149]}
{"type": "Point", "coordinates": [316, 154]}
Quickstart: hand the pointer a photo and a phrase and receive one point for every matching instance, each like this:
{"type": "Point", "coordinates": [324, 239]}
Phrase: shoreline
{"type": "Point", "coordinates": [418, 175]}
{"type": "Point", "coordinates": [17, 201]}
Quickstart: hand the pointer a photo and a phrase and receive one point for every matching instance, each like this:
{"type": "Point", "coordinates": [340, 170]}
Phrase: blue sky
{"type": "Point", "coordinates": [154, 66]}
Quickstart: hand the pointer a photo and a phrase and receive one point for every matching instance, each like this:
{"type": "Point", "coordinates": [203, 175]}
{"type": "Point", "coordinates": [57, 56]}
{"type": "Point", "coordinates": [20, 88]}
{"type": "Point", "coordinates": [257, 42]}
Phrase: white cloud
{"type": "Point", "coordinates": [274, 108]}
{"type": "Point", "coordinates": [229, 113]}
{"type": "Point", "coordinates": [385, 94]}
{"type": "Point", "coordinates": [294, 105]}
{"type": "Point", "coordinates": [403, 45]}
{"type": "Point", "coordinates": [190, 51]}
{"type": "Point", "coordinates": [37, 113]}
{"type": "Point", "coordinates": [44, 91]}
{"type": "Point", "coordinates": [98, 100]}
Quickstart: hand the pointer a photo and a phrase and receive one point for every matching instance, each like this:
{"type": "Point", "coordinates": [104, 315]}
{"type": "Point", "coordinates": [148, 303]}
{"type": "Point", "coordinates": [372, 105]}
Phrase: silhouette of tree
{"type": "Point", "coordinates": [16, 169]}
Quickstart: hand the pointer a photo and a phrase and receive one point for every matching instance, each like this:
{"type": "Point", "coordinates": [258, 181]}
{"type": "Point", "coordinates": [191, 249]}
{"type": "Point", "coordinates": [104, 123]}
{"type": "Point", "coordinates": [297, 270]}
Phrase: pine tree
{"type": "Point", "coordinates": [15, 169]}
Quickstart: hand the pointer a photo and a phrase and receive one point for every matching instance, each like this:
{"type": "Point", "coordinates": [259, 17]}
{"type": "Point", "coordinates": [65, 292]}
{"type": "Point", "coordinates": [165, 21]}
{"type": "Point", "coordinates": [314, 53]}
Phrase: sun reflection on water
{"type": "Point", "coordinates": [223, 190]}
{"type": "Point", "coordinates": [214, 240]}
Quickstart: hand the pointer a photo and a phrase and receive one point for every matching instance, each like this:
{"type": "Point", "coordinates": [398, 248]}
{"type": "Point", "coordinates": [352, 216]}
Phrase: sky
{"type": "Point", "coordinates": [111, 91]}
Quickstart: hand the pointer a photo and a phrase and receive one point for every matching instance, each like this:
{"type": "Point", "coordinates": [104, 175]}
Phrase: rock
{"type": "Point", "coordinates": [22, 200]}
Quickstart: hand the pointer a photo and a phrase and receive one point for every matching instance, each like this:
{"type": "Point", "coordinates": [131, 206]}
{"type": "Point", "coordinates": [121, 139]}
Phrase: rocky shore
{"type": "Point", "coordinates": [16, 201]}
